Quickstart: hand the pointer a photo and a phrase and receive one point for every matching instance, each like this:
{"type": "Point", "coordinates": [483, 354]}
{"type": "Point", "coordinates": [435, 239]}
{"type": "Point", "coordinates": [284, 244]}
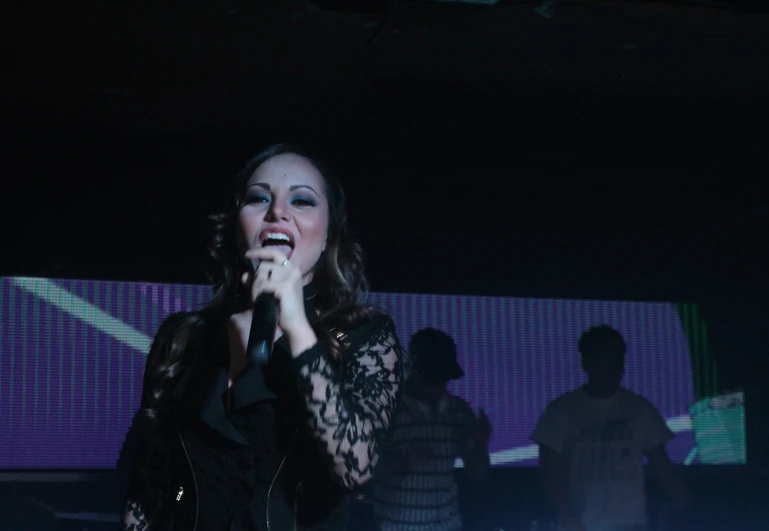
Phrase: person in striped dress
{"type": "Point", "coordinates": [414, 487]}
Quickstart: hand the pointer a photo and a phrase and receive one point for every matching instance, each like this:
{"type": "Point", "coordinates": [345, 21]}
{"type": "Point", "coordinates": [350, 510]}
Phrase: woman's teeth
{"type": "Point", "coordinates": [277, 236]}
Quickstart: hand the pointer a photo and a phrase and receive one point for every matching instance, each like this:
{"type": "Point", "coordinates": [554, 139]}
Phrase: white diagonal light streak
{"type": "Point", "coordinates": [85, 311]}
{"type": "Point", "coordinates": [524, 453]}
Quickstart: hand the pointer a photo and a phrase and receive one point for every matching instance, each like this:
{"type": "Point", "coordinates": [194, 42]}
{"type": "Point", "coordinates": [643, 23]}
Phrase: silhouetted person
{"type": "Point", "coordinates": [593, 440]}
{"type": "Point", "coordinates": [414, 488]}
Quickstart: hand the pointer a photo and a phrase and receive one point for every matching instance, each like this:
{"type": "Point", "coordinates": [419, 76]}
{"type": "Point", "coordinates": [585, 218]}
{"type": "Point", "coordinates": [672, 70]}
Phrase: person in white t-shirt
{"type": "Point", "coordinates": [593, 441]}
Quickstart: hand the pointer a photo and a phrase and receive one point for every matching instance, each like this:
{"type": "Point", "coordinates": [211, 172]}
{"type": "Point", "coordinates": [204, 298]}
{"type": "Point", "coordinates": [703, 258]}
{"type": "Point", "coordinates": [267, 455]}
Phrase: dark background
{"type": "Point", "coordinates": [613, 150]}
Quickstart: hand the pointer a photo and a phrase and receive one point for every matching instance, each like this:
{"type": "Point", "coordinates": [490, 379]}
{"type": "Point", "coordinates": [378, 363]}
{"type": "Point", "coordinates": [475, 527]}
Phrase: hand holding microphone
{"type": "Point", "coordinates": [277, 292]}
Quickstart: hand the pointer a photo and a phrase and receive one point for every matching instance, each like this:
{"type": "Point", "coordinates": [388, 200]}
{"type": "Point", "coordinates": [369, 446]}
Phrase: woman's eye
{"type": "Point", "coordinates": [257, 199]}
{"type": "Point", "coordinates": [302, 201]}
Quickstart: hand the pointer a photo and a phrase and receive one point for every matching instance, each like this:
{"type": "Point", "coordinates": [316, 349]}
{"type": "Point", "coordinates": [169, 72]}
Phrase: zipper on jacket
{"type": "Point", "coordinates": [272, 483]}
{"type": "Point", "coordinates": [194, 480]}
{"type": "Point", "coordinates": [297, 494]}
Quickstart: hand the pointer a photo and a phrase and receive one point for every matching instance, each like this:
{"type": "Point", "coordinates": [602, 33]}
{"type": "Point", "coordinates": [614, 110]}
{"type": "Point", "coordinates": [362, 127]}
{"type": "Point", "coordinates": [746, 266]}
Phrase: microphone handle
{"type": "Point", "coordinates": [264, 323]}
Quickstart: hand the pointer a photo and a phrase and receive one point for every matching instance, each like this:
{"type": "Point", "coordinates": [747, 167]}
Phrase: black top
{"type": "Point", "coordinates": [233, 479]}
{"type": "Point", "coordinates": [233, 438]}
{"type": "Point", "coordinates": [317, 421]}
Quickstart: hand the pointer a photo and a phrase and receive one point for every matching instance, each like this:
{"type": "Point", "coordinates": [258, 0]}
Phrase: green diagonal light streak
{"type": "Point", "coordinates": [95, 317]}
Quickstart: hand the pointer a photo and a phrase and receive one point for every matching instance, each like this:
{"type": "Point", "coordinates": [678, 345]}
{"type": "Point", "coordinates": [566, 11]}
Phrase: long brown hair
{"type": "Point", "coordinates": [338, 279]}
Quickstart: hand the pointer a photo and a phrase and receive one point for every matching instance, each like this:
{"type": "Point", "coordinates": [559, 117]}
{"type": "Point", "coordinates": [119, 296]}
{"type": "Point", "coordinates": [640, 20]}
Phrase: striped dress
{"type": "Point", "coordinates": [414, 488]}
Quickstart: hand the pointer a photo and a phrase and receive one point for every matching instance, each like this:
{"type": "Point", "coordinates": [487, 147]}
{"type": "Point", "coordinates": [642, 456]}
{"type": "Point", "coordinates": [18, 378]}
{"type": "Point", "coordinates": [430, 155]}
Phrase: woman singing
{"type": "Point", "coordinates": [229, 445]}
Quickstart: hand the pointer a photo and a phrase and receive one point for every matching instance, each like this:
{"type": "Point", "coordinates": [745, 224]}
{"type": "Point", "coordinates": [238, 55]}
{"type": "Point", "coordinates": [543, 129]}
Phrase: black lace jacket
{"type": "Point", "coordinates": [339, 414]}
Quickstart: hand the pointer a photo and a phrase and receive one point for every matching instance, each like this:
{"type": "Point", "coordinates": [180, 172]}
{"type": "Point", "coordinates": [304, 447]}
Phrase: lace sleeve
{"type": "Point", "coordinates": [148, 487]}
{"type": "Point", "coordinates": [350, 405]}
{"type": "Point", "coordinates": [135, 448]}
{"type": "Point", "coordinates": [134, 518]}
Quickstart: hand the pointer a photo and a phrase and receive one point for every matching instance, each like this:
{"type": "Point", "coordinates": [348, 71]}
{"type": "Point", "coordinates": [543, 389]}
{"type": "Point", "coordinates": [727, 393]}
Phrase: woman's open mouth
{"type": "Point", "coordinates": [280, 240]}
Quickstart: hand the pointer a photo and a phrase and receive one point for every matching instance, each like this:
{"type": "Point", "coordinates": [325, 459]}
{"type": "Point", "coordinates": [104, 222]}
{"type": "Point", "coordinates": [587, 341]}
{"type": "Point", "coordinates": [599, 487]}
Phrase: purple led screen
{"type": "Point", "coordinates": [72, 355]}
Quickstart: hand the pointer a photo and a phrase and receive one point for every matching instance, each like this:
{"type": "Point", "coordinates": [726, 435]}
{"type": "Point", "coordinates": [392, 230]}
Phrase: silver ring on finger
{"type": "Point", "coordinates": [284, 262]}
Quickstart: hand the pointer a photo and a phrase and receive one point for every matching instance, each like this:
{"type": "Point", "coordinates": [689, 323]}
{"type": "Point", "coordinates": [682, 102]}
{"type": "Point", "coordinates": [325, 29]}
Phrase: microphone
{"type": "Point", "coordinates": [264, 324]}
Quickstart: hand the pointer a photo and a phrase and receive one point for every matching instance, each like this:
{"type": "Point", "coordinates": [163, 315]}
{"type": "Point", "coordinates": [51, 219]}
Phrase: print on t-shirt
{"type": "Point", "coordinates": [605, 452]}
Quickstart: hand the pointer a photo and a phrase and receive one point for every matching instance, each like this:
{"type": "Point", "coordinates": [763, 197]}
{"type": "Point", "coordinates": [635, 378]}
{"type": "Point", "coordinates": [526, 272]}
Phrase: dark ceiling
{"type": "Point", "coordinates": [181, 66]}
{"type": "Point", "coordinates": [513, 152]}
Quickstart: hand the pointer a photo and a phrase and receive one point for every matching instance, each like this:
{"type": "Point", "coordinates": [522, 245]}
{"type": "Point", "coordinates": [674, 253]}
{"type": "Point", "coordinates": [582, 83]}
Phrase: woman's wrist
{"type": "Point", "coordinates": [301, 338]}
